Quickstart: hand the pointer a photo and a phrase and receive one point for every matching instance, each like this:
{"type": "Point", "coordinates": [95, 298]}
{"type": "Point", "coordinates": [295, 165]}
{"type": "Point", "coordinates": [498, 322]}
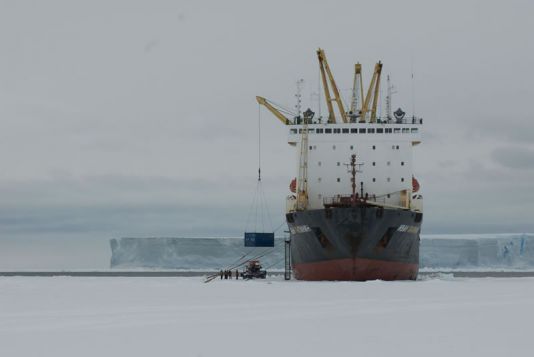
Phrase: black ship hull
{"type": "Point", "coordinates": [363, 242]}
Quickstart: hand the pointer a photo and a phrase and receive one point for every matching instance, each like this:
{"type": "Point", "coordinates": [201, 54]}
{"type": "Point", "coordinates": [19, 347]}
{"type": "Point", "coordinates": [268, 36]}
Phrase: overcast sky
{"type": "Point", "coordinates": [138, 118]}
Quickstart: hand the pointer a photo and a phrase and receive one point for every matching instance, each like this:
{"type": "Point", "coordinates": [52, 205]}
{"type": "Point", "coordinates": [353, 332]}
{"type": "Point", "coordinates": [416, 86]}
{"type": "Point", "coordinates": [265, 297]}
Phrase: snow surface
{"type": "Point", "coordinates": [186, 317]}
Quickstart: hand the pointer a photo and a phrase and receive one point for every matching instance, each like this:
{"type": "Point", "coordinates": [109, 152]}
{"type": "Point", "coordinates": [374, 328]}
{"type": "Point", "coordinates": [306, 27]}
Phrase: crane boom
{"type": "Point", "coordinates": [323, 63]}
{"type": "Point", "coordinates": [272, 109]}
{"type": "Point", "coordinates": [372, 93]}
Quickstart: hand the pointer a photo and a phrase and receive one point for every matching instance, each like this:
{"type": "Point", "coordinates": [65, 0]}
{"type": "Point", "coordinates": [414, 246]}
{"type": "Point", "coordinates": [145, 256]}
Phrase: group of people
{"type": "Point", "coordinates": [227, 274]}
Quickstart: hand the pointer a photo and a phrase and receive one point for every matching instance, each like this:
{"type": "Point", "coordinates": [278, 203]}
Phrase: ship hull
{"type": "Point", "coordinates": [359, 243]}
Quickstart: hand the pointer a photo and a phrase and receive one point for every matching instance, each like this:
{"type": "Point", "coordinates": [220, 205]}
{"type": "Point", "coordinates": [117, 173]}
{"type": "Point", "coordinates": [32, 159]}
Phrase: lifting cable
{"type": "Point", "coordinates": [259, 210]}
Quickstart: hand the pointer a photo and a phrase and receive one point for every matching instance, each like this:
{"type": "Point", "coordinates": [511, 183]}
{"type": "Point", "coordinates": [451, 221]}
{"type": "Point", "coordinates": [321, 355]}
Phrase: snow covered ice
{"type": "Point", "coordinates": [185, 317]}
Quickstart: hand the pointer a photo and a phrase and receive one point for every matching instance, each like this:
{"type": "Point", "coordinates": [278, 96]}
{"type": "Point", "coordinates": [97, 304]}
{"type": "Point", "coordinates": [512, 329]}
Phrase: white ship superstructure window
{"type": "Point", "coordinates": [389, 179]}
{"type": "Point", "coordinates": [333, 147]}
{"type": "Point", "coordinates": [319, 179]}
{"type": "Point", "coordinates": [319, 131]}
{"type": "Point", "coordinates": [345, 130]}
{"type": "Point", "coordinates": [405, 130]}
{"type": "Point", "coordinates": [311, 147]}
{"type": "Point", "coordinates": [402, 163]}
{"type": "Point", "coordinates": [371, 131]}
{"type": "Point", "coordinates": [374, 163]}
{"type": "Point", "coordinates": [396, 130]}
{"type": "Point", "coordinates": [352, 147]}
{"type": "Point", "coordinates": [337, 131]}
{"type": "Point", "coordinates": [319, 163]}
{"type": "Point", "coordinates": [362, 131]}
{"type": "Point", "coordinates": [328, 131]}
{"type": "Point", "coordinates": [379, 131]}
{"type": "Point", "coordinates": [338, 179]}
{"type": "Point", "coordinates": [397, 147]}
{"type": "Point", "coordinates": [353, 130]}
{"type": "Point", "coordinates": [374, 179]}
{"type": "Point", "coordinates": [339, 163]}
{"type": "Point", "coordinates": [388, 130]}
{"type": "Point", "coordinates": [389, 163]}
{"type": "Point", "coordinates": [402, 179]}
{"type": "Point", "coordinates": [374, 147]}
{"type": "Point", "coordinates": [414, 130]}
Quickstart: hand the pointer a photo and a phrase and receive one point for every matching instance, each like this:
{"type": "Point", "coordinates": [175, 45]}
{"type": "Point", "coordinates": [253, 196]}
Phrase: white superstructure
{"type": "Point", "coordinates": [383, 155]}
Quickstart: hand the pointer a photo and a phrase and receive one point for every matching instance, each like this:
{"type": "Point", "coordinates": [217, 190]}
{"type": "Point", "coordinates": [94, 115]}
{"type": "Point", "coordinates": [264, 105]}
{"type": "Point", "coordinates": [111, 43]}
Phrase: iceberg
{"type": "Point", "coordinates": [443, 252]}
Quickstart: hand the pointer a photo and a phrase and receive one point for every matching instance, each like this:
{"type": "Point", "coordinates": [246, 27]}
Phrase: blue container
{"type": "Point", "coordinates": [253, 239]}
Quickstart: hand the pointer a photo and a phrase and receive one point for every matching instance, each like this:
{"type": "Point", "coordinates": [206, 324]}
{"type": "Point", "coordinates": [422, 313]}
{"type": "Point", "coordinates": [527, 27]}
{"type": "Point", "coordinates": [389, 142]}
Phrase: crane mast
{"type": "Point", "coordinates": [302, 181]}
{"type": "Point", "coordinates": [357, 91]}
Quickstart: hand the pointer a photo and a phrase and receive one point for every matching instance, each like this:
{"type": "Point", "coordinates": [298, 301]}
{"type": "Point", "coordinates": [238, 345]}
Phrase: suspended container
{"type": "Point", "coordinates": [255, 239]}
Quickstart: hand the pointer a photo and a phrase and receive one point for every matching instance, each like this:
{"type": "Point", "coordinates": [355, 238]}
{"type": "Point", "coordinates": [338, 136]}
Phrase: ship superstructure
{"type": "Point", "coordinates": [355, 212]}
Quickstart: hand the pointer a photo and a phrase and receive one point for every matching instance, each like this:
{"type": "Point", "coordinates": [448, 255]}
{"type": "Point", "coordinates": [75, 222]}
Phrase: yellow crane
{"type": "Point", "coordinates": [273, 109]}
{"type": "Point", "coordinates": [372, 93]}
{"type": "Point", "coordinates": [357, 92]}
{"type": "Point", "coordinates": [325, 71]}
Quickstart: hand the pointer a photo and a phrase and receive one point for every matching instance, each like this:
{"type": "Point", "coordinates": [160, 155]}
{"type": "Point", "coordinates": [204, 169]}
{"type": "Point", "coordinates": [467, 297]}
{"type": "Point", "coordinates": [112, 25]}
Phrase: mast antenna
{"type": "Point", "coordinates": [298, 96]}
{"type": "Point", "coordinates": [390, 91]}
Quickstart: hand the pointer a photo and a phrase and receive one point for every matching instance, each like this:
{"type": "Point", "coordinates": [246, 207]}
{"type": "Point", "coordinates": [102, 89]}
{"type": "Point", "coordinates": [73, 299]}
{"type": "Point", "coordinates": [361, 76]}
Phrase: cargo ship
{"type": "Point", "coordinates": [355, 209]}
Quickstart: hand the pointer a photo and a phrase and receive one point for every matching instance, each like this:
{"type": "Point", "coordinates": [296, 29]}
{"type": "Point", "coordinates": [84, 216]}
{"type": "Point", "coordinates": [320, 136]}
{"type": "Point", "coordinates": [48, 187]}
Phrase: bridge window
{"type": "Point", "coordinates": [414, 130]}
{"type": "Point", "coordinates": [337, 131]}
{"type": "Point", "coordinates": [362, 131]}
{"type": "Point", "coordinates": [371, 131]}
{"type": "Point", "coordinates": [402, 179]}
{"type": "Point", "coordinates": [338, 179]}
{"type": "Point", "coordinates": [396, 130]}
{"type": "Point", "coordinates": [402, 163]}
{"type": "Point", "coordinates": [405, 130]}
{"type": "Point", "coordinates": [333, 147]}
{"type": "Point", "coordinates": [345, 130]}
{"type": "Point", "coordinates": [319, 131]}
{"type": "Point", "coordinates": [374, 179]}
{"type": "Point", "coordinates": [353, 130]}
{"type": "Point", "coordinates": [338, 163]}
{"type": "Point", "coordinates": [388, 130]}
{"type": "Point", "coordinates": [374, 147]}
{"type": "Point", "coordinates": [379, 131]}
{"type": "Point", "coordinates": [328, 131]}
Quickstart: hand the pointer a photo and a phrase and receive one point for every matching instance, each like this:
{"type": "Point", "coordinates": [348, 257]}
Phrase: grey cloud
{"type": "Point", "coordinates": [517, 158]}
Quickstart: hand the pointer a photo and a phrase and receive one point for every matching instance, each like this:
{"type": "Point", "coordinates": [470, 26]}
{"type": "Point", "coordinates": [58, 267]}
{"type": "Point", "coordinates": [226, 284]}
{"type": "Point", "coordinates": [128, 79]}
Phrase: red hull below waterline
{"type": "Point", "coordinates": [358, 269]}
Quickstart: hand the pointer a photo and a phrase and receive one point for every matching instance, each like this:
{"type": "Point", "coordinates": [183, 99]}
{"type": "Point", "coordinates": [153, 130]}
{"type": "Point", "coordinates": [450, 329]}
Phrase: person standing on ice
{"type": "Point", "coordinates": [236, 274]}
{"type": "Point", "coordinates": [221, 274]}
